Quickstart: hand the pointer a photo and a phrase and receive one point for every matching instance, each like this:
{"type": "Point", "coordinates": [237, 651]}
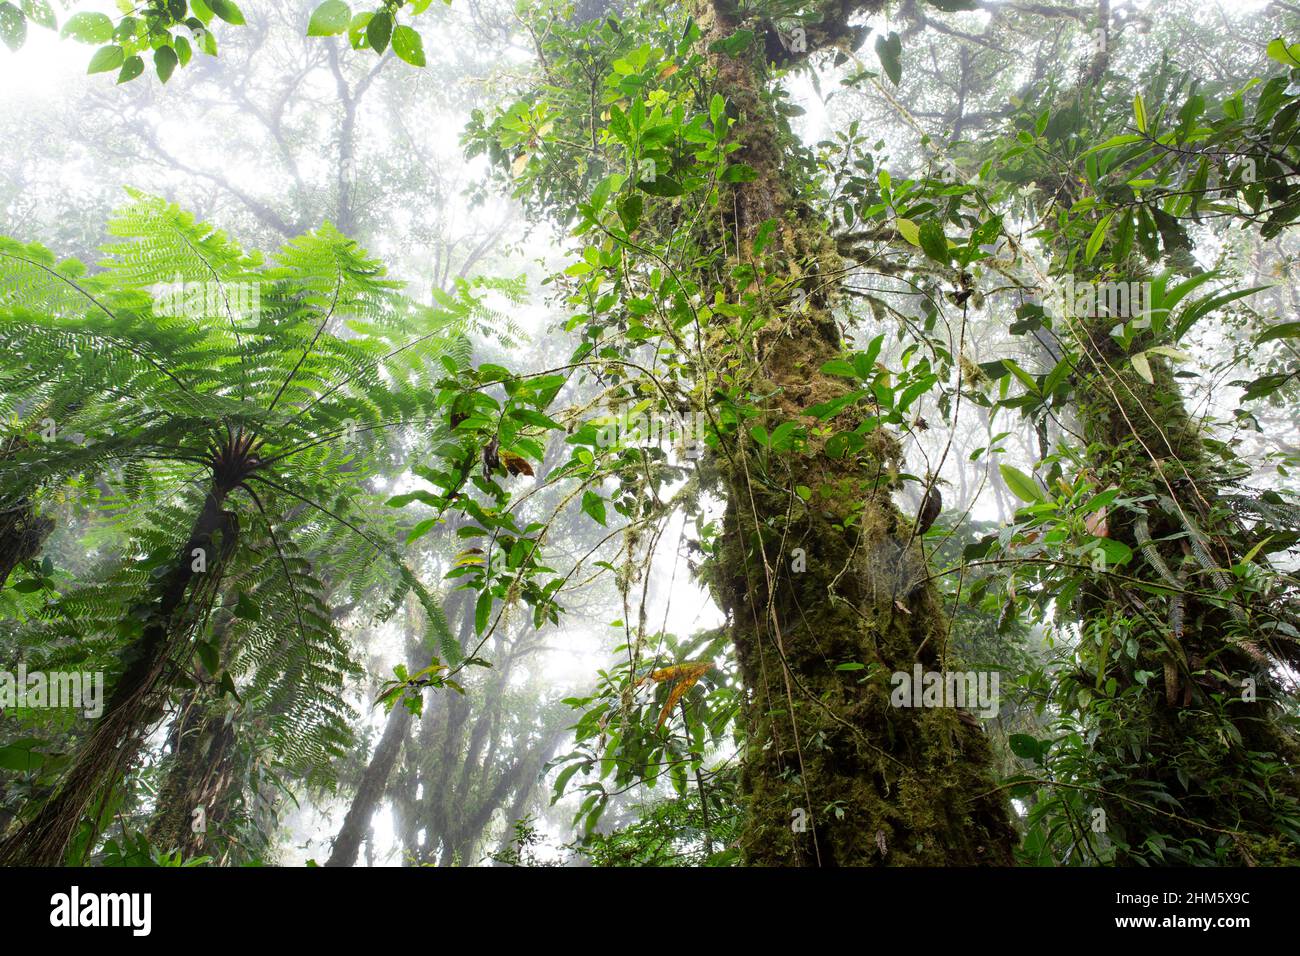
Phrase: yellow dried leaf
{"type": "Point", "coordinates": [683, 677]}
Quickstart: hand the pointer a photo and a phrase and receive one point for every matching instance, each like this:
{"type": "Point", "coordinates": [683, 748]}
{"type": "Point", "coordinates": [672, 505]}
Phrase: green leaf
{"type": "Point", "coordinates": [132, 67]}
{"type": "Point", "coordinates": [1140, 113]}
{"type": "Point", "coordinates": [1024, 746]}
{"type": "Point", "coordinates": [1116, 552]}
{"type": "Point", "coordinates": [662, 186]}
{"type": "Point", "coordinates": [890, 50]}
{"type": "Point", "coordinates": [594, 505]}
{"type": "Point", "coordinates": [227, 10]}
{"type": "Point", "coordinates": [39, 12]}
{"type": "Point", "coordinates": [20, 758]}
{"type": "Point", "coordinates": [482, 609]}
{"type": "Point", "coordinates": [1123, 139]}
{"type": "Point", "coordinates": [530, 416]}
{"type": "Point", "coordinates": [208, 656]}
{"type": "Point", "coordinates": [717, 110]}
{"type": "Point", "coordinates": [88, 28]}
{"type": "Point", "coordinates": [629, 210]}
{"type": "Point", "coordinates": [227, 685]}
{"type": "Point", "coordinates": [13, 25]}
{"type": "Point", "coordinates": [408, 45]}
{"type": "Point", "coordinates": [378, 30]}
{"type": "Point", "coordinates": [1097, 238]}
{"type": "Point", "coordinates": [330, 18]}
{"type": "Point", "coordinates": [357, 30]}
{"type": "Point", "coordinates": [164, 61]}
{"type": "Point", "coordinates": [1142, 366]}
{"type": "Point", "coordinates": [1020, 484]}
{"type": "Point", "coordinates": [739, 173]}
{"type": "Point", "coordinates": [733, 45]}
{"type": "Point", "coordinates": [1285, 330]}
{"type": "Point", "coordinates": [106, 58]}
{"type": "Point", "coordinates": [1288, 54]}
{"type": "Point", "coordinates": [1207, 305]}
{"type": "Point", "coordinates": [840, 367]}
{"type": "Point", "coordinates": [933, 241]}
{"type": "Point", "coordinates": [909, 231]}
{"type": "Point", "coordinates": [1265, 385]}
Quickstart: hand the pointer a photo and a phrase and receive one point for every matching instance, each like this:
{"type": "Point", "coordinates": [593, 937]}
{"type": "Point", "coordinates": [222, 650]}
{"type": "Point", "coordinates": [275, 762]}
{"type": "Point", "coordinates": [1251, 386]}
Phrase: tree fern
{"type": "Point", "coordinates": [273, 416]}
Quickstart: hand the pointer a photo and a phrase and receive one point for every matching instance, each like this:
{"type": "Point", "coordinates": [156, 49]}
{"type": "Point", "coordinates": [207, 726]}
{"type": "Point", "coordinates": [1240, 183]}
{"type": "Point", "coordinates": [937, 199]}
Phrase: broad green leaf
{"type": "Point", "coordinates": [408, 45]}
{"type": "Point", "coordinates": [13, 25]}
{"type": "Point", "coordinates": [934, 242]}
{"type": "Point", "coordinates": [738, 173]}
{"type": "Point", "coordinates": [19, 758]}
{"type": "Point", "coordinates": [1284, 330]}
{"type": "Point", "coordinates": [1020, 484]}
{"type": "Point", "coordinates": [227, 10]}
{"type": "Point", "coordinates": [106, 58]}
{"type": "Point", "coordinates": [594, 506]}
{"type": "Point", "coordinates": [132, 67]}
{"type": "Point", "coordinates": [164, 61]}
{"type": "Point", "coordinates": [88, 28]}
{"type": "Point", "coordinates": [379, 30]}
{"type": "Point", "coordinates": [40, 13]}
{"type": "Point", "coordinates": [1288, 54]}
{"type": "Point", "coordinates": [247, 609]}
{"type": "Point", "coordinates": [735, 44]}
{"type": "Point", "coordinates": [890, 50]}
{"type": "Point", "coordinates": [330, 18]}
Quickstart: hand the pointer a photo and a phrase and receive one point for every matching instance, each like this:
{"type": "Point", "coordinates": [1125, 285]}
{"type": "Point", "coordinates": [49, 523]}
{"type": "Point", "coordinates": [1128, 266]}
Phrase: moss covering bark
{"type": "Point", "coordinates": [833, 774]}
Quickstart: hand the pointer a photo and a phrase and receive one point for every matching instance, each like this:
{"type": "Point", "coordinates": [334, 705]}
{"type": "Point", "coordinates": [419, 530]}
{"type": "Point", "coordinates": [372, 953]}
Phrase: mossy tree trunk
{"type": "Point", "coordinates": [833, 774]}
{"type": "Point", "coordinates": [1201, 737]}
{"type": "Point", "coordinates": [374, 781]}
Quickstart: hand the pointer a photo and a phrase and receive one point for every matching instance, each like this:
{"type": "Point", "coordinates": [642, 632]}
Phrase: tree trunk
{"type": "Point", "coordinates": [104, 758]}
{"type": "Point", "coordinates": [199, 775]}
{"type": "Point", "coordinates": [371, 789]}
{"type": "Point", "coordinates": [833, 774]}
{"type": "Point", "coordinates": [374, 779]}
{"type": "Point", "coordinates": [22, 535]}
{"type": "Point", "coordinates": [22, 530]}
{"type": "Point", "coordinates": [1159, 450]}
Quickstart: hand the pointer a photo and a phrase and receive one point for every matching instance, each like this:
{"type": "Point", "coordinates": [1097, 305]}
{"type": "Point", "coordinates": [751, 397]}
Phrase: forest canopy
{"type": "Point", "coordinates": [598, 432]}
